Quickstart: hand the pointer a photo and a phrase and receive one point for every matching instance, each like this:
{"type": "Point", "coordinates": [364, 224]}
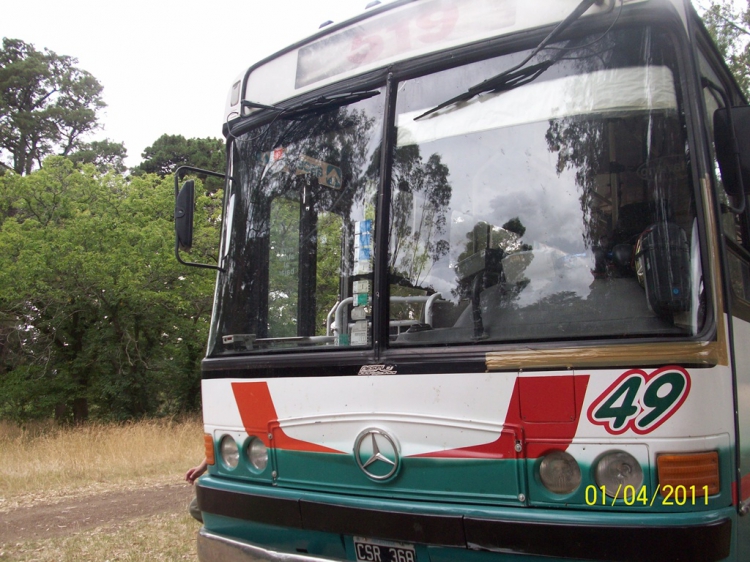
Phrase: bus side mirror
{"type": "Point", "coordinates": [183, 215]}
{"type": "Point", "coordinates": [183, 212]}
{"type": "Point", "coordinates": [726, 148]}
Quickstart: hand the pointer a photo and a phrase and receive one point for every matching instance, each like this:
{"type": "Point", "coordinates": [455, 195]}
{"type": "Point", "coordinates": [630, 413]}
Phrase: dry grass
{"type": "Point", "coordinates": [44, 464]}
{"type": "Point", "coordinates": [168, 537]}
{"type": "Point", "coordinates": [49, 461]}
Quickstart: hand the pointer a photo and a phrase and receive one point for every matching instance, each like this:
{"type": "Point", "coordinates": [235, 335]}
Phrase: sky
{"type": "Point", "coordinates": [166, 66]}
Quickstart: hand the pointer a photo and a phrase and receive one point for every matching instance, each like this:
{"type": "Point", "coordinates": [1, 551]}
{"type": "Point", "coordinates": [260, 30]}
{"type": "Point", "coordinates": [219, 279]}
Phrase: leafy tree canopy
{"type": "Point", "coordinates": [169, 152]}
{"type": "Point", "coordinates": [105, 155]}
{"type": "Point", "coordinates": [47, 105]}
{"type": "Point", "coordinates": [97, 318]}
{"type": "Point", "coordinates": [730, 28]}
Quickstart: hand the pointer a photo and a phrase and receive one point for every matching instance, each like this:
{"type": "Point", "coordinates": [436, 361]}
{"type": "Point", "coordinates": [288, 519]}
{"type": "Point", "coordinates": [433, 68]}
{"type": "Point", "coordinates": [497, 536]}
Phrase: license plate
{"type": "Point", "coordinates": [369, 550]}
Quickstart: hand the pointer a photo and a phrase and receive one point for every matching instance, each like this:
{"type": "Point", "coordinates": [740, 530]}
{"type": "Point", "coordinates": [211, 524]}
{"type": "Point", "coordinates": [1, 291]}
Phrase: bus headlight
{"type": "Point", "coordinates": [560, 472]}
{"type": "Point", "coordinates": [257, 454]}
{"type": "Point", "coordinates": [616, 470]}
{"type": "Point", "coordinates": [230, 453]}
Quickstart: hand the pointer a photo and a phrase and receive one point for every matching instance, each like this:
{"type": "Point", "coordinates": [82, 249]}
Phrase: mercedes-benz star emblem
{"type": "Point", "coordinates": [376, 454]}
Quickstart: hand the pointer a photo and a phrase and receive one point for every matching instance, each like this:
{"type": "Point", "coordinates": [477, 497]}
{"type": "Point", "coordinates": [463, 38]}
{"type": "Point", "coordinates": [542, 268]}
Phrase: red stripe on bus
{"type": "Point", "coordinates": [536, 437]}
{"type": "Point", "coordinates": [259, 418]}
{"type": "Point", "coordinates": [744, 489]}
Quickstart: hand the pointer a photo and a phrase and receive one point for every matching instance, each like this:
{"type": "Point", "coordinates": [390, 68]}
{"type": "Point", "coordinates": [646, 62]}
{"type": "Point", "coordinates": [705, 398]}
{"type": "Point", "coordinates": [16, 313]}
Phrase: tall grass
{"type": "Point", "coordinates": [46, 460]}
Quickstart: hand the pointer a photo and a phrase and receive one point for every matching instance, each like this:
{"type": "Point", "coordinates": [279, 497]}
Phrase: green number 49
{"type": "Point", "coordinates": [640, 401]}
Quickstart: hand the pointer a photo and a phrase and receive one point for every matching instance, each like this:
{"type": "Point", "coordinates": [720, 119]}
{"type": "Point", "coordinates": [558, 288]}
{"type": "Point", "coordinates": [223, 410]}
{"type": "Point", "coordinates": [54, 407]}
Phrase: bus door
{"type": "Point", "coordinates": [736, 236]}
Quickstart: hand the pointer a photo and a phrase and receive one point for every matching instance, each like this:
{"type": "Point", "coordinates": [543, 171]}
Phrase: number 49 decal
{"type": "Point", "coordinates": [641, 401]}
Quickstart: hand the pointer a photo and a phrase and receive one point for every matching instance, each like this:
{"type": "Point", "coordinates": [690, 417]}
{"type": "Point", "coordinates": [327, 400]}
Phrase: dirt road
{"type": "Point", "coordinates": [51, 519]}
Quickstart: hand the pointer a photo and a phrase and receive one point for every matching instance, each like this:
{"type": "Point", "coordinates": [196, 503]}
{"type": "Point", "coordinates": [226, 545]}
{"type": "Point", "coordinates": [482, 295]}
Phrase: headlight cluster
{"type": "Point", "coordinates": [255, 451]}
{"type": "Point", "coordinates": [560, 473]}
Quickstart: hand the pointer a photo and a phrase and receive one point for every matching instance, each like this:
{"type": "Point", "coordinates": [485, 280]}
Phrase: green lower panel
{"type": "Point", "coordinates": [466, 480]}
{"type": "Point", "coordinates": [488, 482]}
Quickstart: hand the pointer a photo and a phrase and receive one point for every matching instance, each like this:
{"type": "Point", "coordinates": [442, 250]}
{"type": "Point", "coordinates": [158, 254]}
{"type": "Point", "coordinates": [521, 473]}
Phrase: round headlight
{"type": "Point", "coordinates": [616, 470]}
{"type": "Point", "coordinates": [230, 453]}
{"type": "Point", "coordinates": [560, 472]}
{"type": "Point", "coordinates": [257, 453]}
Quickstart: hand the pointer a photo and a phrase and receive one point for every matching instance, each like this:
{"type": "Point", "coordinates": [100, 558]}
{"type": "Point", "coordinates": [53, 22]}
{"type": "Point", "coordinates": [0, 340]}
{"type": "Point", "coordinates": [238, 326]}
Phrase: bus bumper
{"type": "Point", "coordinates": [218, 548]}
{"type": "Point", "coordinates": [681, 543]}
{"type": "Point", "coordinates": [474, 536]}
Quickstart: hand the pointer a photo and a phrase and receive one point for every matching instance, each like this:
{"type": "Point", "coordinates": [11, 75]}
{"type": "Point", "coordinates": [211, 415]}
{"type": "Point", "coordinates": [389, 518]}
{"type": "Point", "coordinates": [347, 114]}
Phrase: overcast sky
{"type": "Point", "coordinates": [166, 66]}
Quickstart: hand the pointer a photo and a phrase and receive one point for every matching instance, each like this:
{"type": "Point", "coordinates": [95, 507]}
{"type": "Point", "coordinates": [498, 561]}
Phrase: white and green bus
{"type": "Point", "coordinates": [483, 291]}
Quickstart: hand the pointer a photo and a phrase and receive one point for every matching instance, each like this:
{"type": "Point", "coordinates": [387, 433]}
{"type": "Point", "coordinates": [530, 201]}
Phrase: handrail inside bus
{"type": "Point", "coordinates": [339, 322]}
{"type": "Point", "coordinates": [297, 339]}
{"type": "Point", "coordinates": [328, 317]}
{"type": "Point", "coordinates": [340, 308]}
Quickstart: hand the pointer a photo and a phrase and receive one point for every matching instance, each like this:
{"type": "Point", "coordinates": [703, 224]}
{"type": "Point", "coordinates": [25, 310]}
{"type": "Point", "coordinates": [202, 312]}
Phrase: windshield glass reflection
{"type": "Point", "coordinates": [559, 209]}
{"type": "Point", "coordinates": [299, 193]}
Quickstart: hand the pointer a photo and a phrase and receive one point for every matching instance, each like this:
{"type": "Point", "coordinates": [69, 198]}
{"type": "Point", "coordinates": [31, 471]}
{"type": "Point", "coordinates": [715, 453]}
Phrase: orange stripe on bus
{"type": "Point", "coordinates": [259, 418]}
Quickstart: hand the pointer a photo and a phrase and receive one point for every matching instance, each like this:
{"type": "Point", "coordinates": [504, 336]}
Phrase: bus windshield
{"type": "Point", "coordinates": [300, 188]}
{"type": "Point", "coordinates": [560, 209]}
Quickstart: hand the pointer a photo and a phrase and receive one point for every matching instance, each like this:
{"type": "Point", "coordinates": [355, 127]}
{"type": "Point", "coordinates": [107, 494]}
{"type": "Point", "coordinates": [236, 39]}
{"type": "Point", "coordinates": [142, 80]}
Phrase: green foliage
{"type": "Point", "coordinates": [283, 268]}
{"type": "Point", "coordinates": [328, 267]}
{"type": "Point", "coordinates": [515, 225]}
{"type": "Point", "coordinates": [730, 29]}
{"type": "Point", "coordinates": [105, 155]}
{"type": "Point", "coordinates": [47, 105]}
{"type": "Point", "coordinates": [169, 152]}
{"type": "Point", "coordinates": [96, 316]}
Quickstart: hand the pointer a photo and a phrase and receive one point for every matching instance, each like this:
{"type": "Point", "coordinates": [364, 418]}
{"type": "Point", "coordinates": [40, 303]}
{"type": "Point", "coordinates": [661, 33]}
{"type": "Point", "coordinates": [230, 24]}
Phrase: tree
{"type": "Point", "coordinates": [730, 29]}
{"type": "Point", "coordinates": [169, 152]}
{"type": "Point", "coordinates": [418, 207]}
{"type": "Point", "coordinates": [97, 319]}
{"type": "Point", "coordinates": [105, 155]}
{"type": "Point", "coordinates": [47, 105]}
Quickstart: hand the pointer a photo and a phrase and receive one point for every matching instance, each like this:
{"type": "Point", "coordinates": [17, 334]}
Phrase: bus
{"type": "Point", "coordinates": [482, 291]}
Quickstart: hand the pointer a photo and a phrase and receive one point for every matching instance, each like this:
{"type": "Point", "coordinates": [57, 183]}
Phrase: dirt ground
{"type": "Point", "coordinates": [48, 519]}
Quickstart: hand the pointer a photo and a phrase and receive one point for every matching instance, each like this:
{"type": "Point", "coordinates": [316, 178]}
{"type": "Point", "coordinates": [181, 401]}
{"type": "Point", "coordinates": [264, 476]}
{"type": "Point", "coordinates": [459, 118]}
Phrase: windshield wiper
{"type": "Point", "coordinates": [518, 75]}
{"type": "Point", "coordinates": [323, 104]}
{"type": "Point", "coordinates": [316, 106]}
{"type": "Point", "coordinates": [500, 83]}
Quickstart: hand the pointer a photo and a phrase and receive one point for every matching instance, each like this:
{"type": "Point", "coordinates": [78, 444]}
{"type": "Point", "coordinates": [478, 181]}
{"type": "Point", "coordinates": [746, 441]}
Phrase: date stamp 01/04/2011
{"type": "Point", "coordinates": [666, 495]}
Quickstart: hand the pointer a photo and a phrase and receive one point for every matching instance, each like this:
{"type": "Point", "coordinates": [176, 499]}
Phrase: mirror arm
{"type": "Point", "coordinates": [182, 170]}
{"type": "Point", "coordinates": [193, 264]}
{"type": "Point", "coordinates": [178, 175]}
{"type": "Point", "coordinates": [735, 147]}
